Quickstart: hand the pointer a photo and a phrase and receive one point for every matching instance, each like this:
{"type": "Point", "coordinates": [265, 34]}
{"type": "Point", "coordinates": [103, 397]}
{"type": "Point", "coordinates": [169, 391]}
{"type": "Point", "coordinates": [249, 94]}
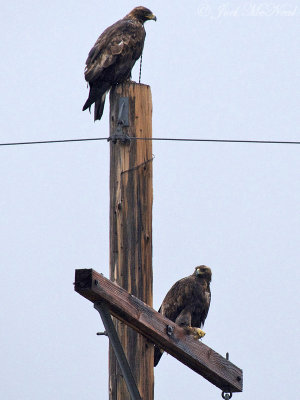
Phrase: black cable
{"type": "Point", "coordinates": [158, 139]}
{"type": "Point", "coordinates": [51, 141]}
{"type": "Point", "coordinates": [141, 61]}
{"type": "Point", "coordinates": [220, 140]}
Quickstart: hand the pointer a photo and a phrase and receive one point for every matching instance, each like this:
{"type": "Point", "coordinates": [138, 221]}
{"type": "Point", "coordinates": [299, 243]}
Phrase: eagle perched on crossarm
{"type": "Point", "coordinates": [187, 304]}
{"type": "Point", "coordinates": [113, 56]}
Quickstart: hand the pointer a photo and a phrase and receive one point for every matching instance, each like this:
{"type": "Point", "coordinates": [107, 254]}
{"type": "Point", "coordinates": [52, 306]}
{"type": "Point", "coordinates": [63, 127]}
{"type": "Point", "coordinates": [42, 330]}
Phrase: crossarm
{"type": "Point", "coordinates": [160, 330]}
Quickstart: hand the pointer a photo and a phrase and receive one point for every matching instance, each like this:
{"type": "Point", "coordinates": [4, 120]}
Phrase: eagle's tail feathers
{"type": "Point", "coordinates": [157, 355]}
{"type": "Point", "coordinates": [89, 102]}
{"type": "Point", "coordinates": [97, 95]}
{"type": "Point", "coordinates": [99, 107]}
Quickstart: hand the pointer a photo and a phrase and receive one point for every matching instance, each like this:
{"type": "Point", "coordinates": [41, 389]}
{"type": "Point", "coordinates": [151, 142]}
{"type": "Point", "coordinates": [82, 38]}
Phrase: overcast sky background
{"type": "Point", "coordinates": [217, 70]}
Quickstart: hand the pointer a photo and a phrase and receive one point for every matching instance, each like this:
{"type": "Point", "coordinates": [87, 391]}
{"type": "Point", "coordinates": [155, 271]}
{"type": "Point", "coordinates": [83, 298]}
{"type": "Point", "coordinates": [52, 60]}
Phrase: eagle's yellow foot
{"type": "Point", "coordinates": [196, 332]}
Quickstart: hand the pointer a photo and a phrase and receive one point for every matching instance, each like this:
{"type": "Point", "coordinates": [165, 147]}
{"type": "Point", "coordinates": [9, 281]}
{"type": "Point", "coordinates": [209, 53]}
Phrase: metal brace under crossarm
{"type": "Point", "coordinates": [118, 349]}
{"type": "Point", "coordinates": [123, 120]}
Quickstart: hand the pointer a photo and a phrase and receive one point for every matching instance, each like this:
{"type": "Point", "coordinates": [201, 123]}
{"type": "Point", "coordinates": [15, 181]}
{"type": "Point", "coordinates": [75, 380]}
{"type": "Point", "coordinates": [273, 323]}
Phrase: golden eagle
{"type": "Point", "coordinates": [113, 56]}
{"type": "Point", "coordinates": [187, 304]}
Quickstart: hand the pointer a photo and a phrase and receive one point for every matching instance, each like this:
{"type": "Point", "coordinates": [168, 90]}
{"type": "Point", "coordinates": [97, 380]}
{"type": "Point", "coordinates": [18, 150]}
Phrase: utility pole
{"type": "Point", "coordinates": [127, 295]}
{"type": "Point", "coordinates": [131, 196]}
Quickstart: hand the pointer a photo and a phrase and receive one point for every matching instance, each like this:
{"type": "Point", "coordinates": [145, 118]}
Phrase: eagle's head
{"type": "Point", "coordinates": [202, 271]}
{"type": "Point", "coordinates": [142, 14]}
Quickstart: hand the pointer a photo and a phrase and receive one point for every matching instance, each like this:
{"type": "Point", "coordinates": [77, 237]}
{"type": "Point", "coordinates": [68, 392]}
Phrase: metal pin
{"type": "Point", "coordinates": [102, 333]}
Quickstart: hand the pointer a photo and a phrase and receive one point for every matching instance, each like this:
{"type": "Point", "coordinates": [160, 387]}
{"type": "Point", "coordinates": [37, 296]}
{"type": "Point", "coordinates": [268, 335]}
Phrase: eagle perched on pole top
{"type": "Point", "coordinates": [187, 304]}
{"type": "Point", "coordinates": [113, 56]}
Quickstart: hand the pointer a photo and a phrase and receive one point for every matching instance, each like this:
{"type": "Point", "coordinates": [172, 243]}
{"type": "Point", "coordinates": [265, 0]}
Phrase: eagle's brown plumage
{"type": "Point", "coordinates": [187, 302]}
{"type": "Point", "coordinates": [113, 56]}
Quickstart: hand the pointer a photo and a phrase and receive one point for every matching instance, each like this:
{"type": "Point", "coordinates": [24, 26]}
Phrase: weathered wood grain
{"type": "Point", "coordinates": [131, 230]}
{"type": "Point", "coordinates": [141, 317]}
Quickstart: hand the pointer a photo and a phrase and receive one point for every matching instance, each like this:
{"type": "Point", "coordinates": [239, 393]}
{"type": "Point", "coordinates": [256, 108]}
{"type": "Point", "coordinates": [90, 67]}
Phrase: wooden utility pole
{"type": "Point", "coordinates": [131, 196]}
{"type": "Point", "coordinates": [127, 296]}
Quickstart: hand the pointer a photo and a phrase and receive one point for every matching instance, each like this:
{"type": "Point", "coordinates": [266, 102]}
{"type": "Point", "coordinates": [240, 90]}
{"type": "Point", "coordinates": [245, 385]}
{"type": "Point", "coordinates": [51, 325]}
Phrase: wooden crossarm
{"type": "Point", "coordinates": [174, 340]}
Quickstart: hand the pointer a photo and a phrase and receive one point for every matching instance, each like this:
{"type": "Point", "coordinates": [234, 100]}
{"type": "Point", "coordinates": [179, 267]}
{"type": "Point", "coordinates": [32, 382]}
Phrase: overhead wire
{"type": "Point", "coordinates": [50, 141]}
{"type": "Point", "coordinates": [153, 139]}
{"type": "Point", "coordinates": [222, 140]}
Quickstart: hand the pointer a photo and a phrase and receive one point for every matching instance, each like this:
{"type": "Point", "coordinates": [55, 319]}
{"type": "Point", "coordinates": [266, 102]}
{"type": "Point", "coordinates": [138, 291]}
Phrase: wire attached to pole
{"type": "Point", "coordinates": [141, 61]}
{"type": "Point", "coordinates": [153, 139]}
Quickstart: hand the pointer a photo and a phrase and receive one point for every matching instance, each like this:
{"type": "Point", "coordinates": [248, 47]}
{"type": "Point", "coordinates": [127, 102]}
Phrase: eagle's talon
{"type": "Point", "coordinates": [196, 332]}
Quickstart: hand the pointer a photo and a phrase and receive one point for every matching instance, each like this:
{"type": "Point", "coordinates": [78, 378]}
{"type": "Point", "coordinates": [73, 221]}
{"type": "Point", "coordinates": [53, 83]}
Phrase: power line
{"type": "Point", "coordinates": [222, 140]}
{"type": "Point", "coordinates": [51, 141]}
{"type": "Point", "coordinates": [153, 139]}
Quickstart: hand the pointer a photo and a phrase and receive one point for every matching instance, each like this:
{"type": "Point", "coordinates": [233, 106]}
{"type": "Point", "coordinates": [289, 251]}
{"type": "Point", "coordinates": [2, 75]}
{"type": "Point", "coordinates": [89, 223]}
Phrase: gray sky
{"type": "Point", "coordinates": [219, 70]}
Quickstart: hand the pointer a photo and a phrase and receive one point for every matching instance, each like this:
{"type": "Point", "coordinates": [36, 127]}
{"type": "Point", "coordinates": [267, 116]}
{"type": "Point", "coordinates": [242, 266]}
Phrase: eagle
{"type": "Point", "coordinates": [113, 56]}
{"type": "Point", "coordinates": [187, 304]}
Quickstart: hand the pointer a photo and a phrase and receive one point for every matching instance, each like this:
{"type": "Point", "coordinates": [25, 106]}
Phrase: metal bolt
{"type": "Point", "coordinates": [226, 396]}
{"type": "Point", "coordinates": [170, 330]}
{"type": "Point", "coordinates": [102, 333]}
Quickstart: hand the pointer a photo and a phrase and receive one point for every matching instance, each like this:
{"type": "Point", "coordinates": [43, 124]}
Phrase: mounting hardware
{"type": "Point", "coordinates": [170, 330]}
{"type": "Point", "coordinates": [102, 333]}
{"type": "Point", "coordinates": [123, 116]}
{"type": "Point", "coordinates": [226, 395]}
{"type": "Point", "coordinates": [123, 121]}
{"type": "Point", "coordinates": [118, 349]}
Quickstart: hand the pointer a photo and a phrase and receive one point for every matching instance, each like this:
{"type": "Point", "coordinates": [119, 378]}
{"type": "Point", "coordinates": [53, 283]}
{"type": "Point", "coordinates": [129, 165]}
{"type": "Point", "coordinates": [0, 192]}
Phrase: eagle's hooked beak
{"type": "Point", "coordinates": [152, 16]}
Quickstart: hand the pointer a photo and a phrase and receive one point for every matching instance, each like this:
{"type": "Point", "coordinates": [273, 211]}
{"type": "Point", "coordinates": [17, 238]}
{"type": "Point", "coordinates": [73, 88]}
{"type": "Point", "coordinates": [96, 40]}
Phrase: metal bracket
{"type": "Point", "coordinates": [123, 116]}
{"type": "Point", "coordinates": [118, 349]}
{"type": "Point", "coordinates": [123, 121]}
